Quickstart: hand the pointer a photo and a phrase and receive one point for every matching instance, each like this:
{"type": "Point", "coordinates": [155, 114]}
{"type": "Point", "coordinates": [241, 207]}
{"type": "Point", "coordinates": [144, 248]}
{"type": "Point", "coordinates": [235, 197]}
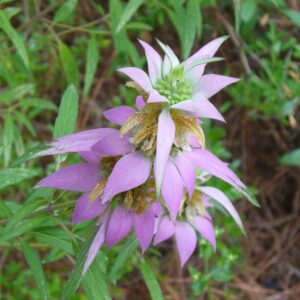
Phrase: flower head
{"type": "Point", "coordinates": [180, 86]}
{"type": "Point", "coordinates": [194, 217]}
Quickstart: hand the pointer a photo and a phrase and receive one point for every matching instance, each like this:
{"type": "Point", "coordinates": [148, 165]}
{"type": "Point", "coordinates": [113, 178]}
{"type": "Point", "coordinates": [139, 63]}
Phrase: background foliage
{"type": "Point", "coordinates": [58, 62]}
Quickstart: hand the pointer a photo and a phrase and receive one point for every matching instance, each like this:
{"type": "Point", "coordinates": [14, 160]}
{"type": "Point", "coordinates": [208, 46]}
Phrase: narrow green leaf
{"type": "Point", "coordinates": [30, 154]}
{"type": "Point", "coordinates": [139, 26]}
{"type": "Point", "coordinates": [122, 43]}
{"type": "Point", "coordinates": [18, 142]}
{"type": "Point", "coordinates": [130, 9]}
{"type": "Point", "coordinates": [22, 118]}
{"type": "Point", "coordinates": [8, 138]}
{"type": "Point", "coordinates": [65, 122]}
{"type": "Point", "coordinates": [278, 3]}
{"type": "Point", "coordinates": [12, 11]}
{"type": "Point", "coordinates": [5, 211]}
{"type": "Point", "coordinates": [291, 159]}
{"type": "Point", "coordinates": [36, 267]}
{"type": "Point", "coordinates": [190, 27]}
{"type": "Point", "coordinates": [204, 60]}
{"type": "Point", "coordinates": [65, 11]}
{"type": "Point", "coordinates": [237, 14]}
{"type": "Point", "coordinates": [11, 176]}
{"type": "Point", "coordinates": [14, 37]}
{"type": "Point", "coordinates": [27, 225]}
{"type": "Point", "coordinates": [151, 281]}
{"type": "Point", "coordinates": [293, 15]}
{"type": "Point", "coordinates": [23, 212]}
{"type": "Point", "coordinates": [76, 275]}
{"type": "Point", "coordinates": [125, 253]}
{"type": "Point", "coordinates": [55, 242]}
{"type": "Point", "coordinates": [69, 64]}
{"type": "Point", "coordinates": [248, 10]}
{"type": "Point", "coordinates": [94, 282]}
{"type": "Point", "coordinates": [92, 60]}
{"type": "Point", "coordinates": [38, 103]}
{"type": "Point", "coordinates": [16, 93]}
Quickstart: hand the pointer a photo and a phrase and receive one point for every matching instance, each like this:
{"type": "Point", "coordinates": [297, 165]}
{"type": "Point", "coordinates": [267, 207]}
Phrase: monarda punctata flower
{"type": "Point", "coordinates": [143, 176]}
{"type": "Point", "coordinates": [178, 89]}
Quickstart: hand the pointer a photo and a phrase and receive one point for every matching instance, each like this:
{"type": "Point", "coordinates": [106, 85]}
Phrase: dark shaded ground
{"type": "Point", "coordinates": [272, 245]}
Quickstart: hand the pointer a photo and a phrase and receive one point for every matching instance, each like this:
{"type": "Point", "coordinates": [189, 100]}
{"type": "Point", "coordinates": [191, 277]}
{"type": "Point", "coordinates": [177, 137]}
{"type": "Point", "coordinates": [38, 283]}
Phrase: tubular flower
{"type": "Point", "coordinates": [194, 217]}
{"type": "Point", "coordinates": [180, 86]}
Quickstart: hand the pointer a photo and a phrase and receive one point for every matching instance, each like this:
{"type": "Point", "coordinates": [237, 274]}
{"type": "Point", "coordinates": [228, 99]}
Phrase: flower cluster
{"type": "Point", "coordinates": [146, 175]}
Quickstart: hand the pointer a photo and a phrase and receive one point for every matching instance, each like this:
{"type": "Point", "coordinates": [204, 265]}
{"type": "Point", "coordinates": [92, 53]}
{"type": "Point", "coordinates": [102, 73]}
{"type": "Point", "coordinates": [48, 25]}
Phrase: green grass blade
{"type": "Point", "coordinates": [36, 267]}
{"type": "Point", "coordinates": [125, 253]}
{"type": "Point", "coordinates": [65, 11]}
{"type": "Point", "coordinates": [130, 9]}
{"type": "Point", "coordinates": [11, 176]}
{"type": "Point", "coordinates": [69, 64]}
{"type": "Point", "coordinates": [76, 275]}
{"type": "Point", "coordinates": [65, 122]}
{"type": "Point", "coordinates": [151, 281]}
{"type": "Point", "coordinates": [92, 60]}
{"type": "Point", "coordinates": [14, 37]}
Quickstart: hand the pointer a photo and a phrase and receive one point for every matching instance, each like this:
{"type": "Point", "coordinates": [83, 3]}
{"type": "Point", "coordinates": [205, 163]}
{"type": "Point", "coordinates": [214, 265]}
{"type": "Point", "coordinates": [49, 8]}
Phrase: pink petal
{"type": "Point", "coordinates": [221, 198]}
{"type": "Point", "coordinates": [90, 156]}
{"type": "Point", "coordinates": [144, 228]}
{"type": "Point", "coordinates": [156, 208]}
{"type": "Point", "coordinates": [206, 229]}
{"type": "Point", "coordinates": [96, 244]}
{"type": "Point", "coordinates": [119, 114]}
{"type": "Point", "coordinates": [165, 139]}
{"type": "Point", "coordinates": [200, 107]}
{"type": "Point", "coordinates": [187, 172]}
{"type": "Point", "coordinates": [208, 50]}
{"type": "Point", "coordinates": [86, 210]}
{"type": "Point", "coordinates": [80, 177]}
{"type": "Point", "coordinates": [80, 141]}
{"type": "Point", "coordinates": [154, 62]}
{"type": "Point", "coordinates": [210, 84]}
{"type": "Point", "coordinates": [119, 226]}
{"type": "Point", "coordinates": [208, 162]}
{"type": "Point", "coordinates": [186, 241]}
{"type": "Point", "coordinates": [129, 172]}
{"type": "Point", "coordinates": [205, 109]}
{"type": "Point", "coordinates": [139, 102]}
{"type": "Point", "coordinates": [194, 142]}
{"type": "Point", "coordinates": [139, 76]}
{"type": "Point", "coordinates": [113, 144]}
{"type": "Point", "coordinates": [155, 97]}
{"type": "Point", "coordinates": [166, 229]}
{"type": "Point", "coordinates": [172, 189]}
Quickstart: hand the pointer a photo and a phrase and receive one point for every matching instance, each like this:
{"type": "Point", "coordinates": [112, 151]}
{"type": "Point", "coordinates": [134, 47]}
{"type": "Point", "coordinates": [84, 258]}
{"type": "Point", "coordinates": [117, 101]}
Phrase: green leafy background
{"type": "Point", "coordinates": [58, 62]}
